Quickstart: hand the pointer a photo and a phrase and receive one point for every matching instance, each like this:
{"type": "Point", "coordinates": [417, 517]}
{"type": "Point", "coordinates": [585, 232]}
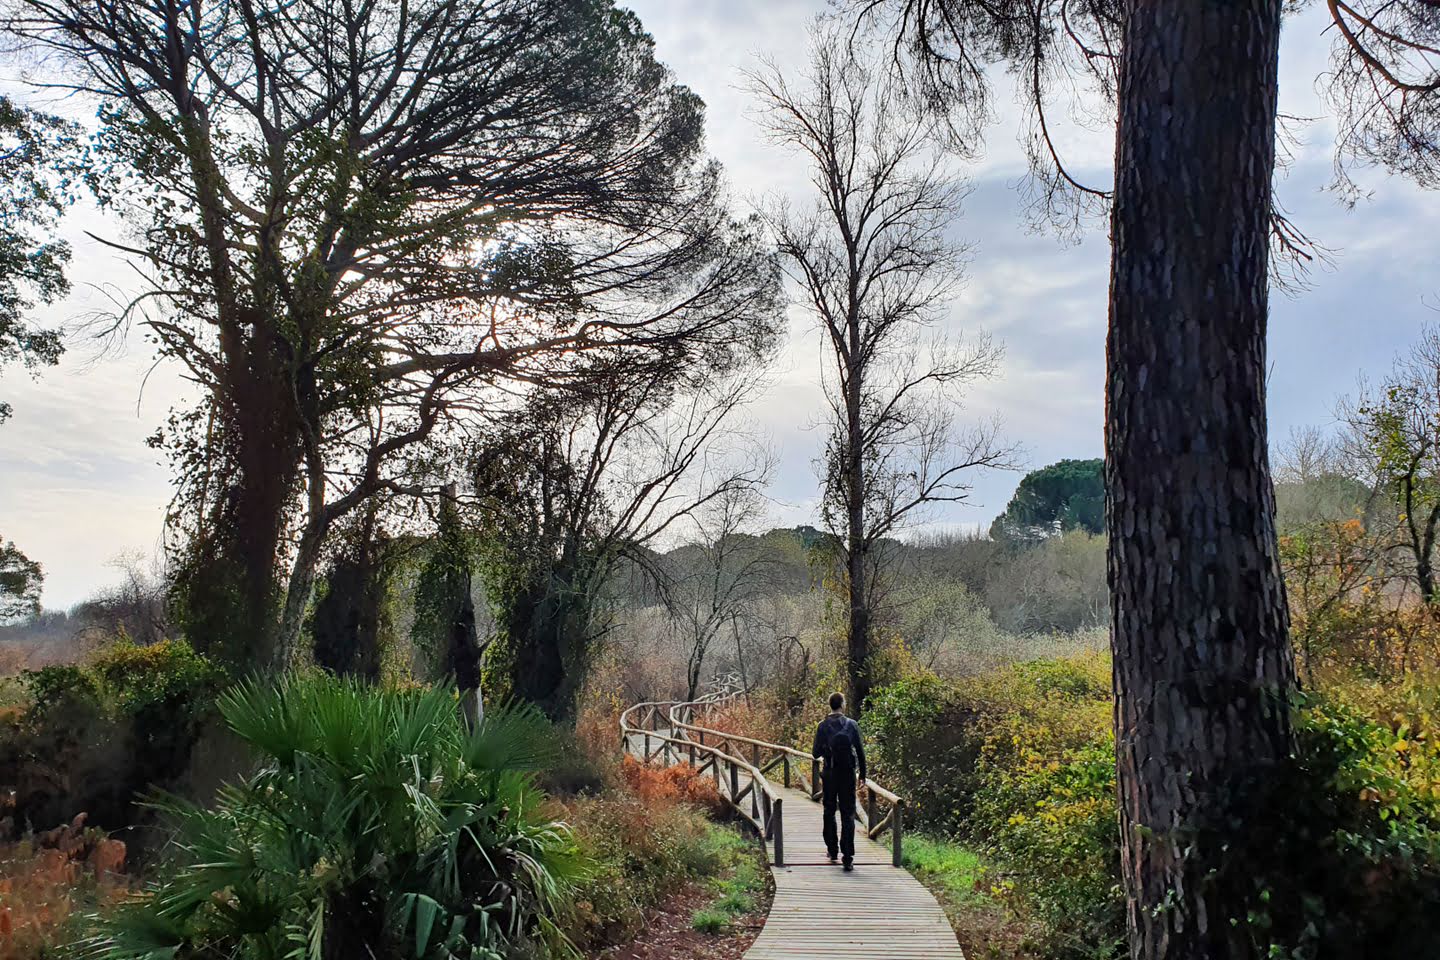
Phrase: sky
{"type": "Point", "coordinates": [79, 489]}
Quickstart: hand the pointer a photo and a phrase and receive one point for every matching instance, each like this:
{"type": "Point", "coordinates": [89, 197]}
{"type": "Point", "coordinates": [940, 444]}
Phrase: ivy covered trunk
{"type": "Point", "coordinates": [348, 613]}
{"type": "Point", "coordinates": [230, 595]}
{"type": "Point", "coordinates": [1203, 669]}
{"type": "Point", "coordinates": [547, 630]}
{"type": "Point", "coordinates": [445, 628]}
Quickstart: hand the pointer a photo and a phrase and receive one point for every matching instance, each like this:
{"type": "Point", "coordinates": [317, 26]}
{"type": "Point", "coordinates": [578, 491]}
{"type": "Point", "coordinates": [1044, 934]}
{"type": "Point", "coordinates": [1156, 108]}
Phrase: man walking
{"type": "Point", "coordinates": [837, 742]}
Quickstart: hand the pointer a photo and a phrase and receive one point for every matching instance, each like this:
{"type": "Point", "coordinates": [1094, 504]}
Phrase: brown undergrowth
{"type": "Point", "coordinates": [49, 880]}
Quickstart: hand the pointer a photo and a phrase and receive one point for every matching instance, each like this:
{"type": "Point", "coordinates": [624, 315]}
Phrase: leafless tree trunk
{"type": "Point", "coordinates": [721, 572]}
{"type": "Point", "coordinates": [875, 266]}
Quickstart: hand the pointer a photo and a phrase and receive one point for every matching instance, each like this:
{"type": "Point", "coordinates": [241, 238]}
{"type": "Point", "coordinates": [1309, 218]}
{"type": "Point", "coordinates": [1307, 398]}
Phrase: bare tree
{"type": "Point", "coordinates": [586, 484]}
{"type": "Point", "coordinates": [347, 215]}
{"type": "Point", "coordinates": [714, 580]}
{"type": "Point", "coordinates": [875, 265]}
{"type": "Point", "coordinates": [135, 607]}
{"type": "Point", "coordinates": [1394, 438]}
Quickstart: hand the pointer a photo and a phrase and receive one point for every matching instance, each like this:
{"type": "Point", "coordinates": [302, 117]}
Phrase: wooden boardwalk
{"type": "Point", "coordinates": [820, 912]}
{"type": "Point", "coordinates": [878, 912]}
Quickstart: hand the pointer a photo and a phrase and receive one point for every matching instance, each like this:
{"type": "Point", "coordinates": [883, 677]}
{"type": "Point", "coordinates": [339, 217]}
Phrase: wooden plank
{"type": "Point", "coordinates": [821, 912]}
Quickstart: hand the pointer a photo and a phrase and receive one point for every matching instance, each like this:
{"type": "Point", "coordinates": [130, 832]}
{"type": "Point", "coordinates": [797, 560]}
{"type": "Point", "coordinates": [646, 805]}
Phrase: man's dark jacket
{"type": "Point", "coordinates": [837, 740]}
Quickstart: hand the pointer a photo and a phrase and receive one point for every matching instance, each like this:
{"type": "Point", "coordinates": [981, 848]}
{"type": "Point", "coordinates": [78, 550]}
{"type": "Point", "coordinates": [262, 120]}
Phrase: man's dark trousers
{"type": "Point", "coordinates": [840, 797]}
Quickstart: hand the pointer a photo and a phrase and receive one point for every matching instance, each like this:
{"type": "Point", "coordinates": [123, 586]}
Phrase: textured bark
{"type": "Point", "coordinates": [1203, 667]}
{"type": "Point", "coordinates": [857, 546]}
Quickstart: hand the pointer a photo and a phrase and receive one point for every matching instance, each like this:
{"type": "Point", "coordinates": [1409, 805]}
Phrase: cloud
{"type": "Point", "coordinates": [77, 485]}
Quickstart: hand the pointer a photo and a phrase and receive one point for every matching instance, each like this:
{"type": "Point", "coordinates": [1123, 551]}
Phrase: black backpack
{"type": "Point", "coordinates": [839, 747]}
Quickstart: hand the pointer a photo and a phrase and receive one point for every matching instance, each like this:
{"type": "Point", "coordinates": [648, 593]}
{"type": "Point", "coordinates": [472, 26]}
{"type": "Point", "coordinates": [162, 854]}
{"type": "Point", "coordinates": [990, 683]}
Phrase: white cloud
{"type": "Point", "coordinates": [77, 485]}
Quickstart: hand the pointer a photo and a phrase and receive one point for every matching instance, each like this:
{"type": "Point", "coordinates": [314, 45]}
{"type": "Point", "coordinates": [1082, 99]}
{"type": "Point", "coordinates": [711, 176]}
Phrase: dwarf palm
{"type": "Point", "coordinates": [378, 825]}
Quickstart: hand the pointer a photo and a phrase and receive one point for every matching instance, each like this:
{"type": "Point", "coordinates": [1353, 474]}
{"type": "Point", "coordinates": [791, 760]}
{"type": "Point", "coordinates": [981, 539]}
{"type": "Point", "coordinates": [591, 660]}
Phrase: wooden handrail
{"type": "Point", "coordinates": [766, 815]}
{"type": "Point", "coordinates": [870, 785]}
{"type": "Point", "coordinates": [893, 821]}
{"type": "Point", "coordinates": [766, 803]}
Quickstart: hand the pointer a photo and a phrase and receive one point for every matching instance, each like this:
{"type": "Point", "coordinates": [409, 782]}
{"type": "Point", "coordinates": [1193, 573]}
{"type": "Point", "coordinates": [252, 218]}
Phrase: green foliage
{"type": "Point", "coordinates": [1350, 857]}
{"type": "Point", "coordinates": [737, 892]}
{"type": "Point", "coordinates": [442, 593]}
{"type": "Point", "coordinates": [1339, 853]}
{"type": "Point", "coordinates": [93, 736]}
{"type": "Point", "coordinates": [20, 581]}
{"type": "Point", "coordinates": [169, 673]}
{"type": "Point", "coordinates": [1019, 762]}
{"type": "Point", "coordinates": [37, 154]}
{"type": "Point", "coordinates": [1070, 493]}
{"type": "Point", "coordinates": [377, 825]}
{"type": "Point", "coordinates": [957, 869]}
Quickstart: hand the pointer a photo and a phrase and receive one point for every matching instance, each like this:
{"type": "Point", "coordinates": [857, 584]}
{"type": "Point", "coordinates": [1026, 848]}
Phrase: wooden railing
{"type": "Point", "coordinates": [882, 810]}
{"type": "Point", "coordinates": [735, 779]}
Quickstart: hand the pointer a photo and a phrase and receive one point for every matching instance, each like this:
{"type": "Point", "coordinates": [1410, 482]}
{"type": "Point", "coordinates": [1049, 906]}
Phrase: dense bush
{"type": "Point", "coordinates": [91, 737]}
{"type": "Point", "coordinates": [1020, 762]}
{"type": "Point", "coordinates": [50, 881]}
{"type": "Point", "coordinates": [641, 844]}
{"type": "Point", "coordinates": [377, 825]}
{"type": "Point", "coordinates": [1351, 864]}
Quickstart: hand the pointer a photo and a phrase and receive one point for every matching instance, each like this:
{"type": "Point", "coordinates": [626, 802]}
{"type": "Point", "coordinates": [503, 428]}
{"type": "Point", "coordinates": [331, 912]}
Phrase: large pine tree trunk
{"type": "Point", "coordinates": [1203, 667]}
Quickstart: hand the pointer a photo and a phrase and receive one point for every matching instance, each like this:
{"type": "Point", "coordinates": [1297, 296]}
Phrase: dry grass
{"type": "Point", "coordinates": [49, 881]}
{"type": "Point", "coordinates": [658, 786]}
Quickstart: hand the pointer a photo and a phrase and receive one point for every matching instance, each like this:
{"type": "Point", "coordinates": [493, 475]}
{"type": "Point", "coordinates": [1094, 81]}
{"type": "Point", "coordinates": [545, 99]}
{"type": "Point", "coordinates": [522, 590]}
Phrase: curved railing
{"type": "Point", "coordinates": [883, 809]}
{"type": "Point", "coordinates": [735, 779]}
{"type": "Point", "coordinates": [715, 749]}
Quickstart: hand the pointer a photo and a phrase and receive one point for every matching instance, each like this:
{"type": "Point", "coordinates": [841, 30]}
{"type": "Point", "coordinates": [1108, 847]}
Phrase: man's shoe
{"type": "Point", "coordinates": [849, 867]}
{"type": "Point", "coordinates": [834, 857]}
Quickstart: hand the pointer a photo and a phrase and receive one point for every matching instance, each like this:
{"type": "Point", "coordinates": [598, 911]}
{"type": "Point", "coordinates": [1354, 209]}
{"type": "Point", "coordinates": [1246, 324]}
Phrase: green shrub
{"type": "Point", "coordinates": [924, 732]}
{"type": "Point", "coordinates": [735, 903]}
{"type": "Point", "coordinates": [710, 920]}
{"type": "Point", "coordinates": [1020, 763]}
{"type": "Point", "coordinates": [1351, 864]}
{"type": "Point", "coordinates": [956, 869]}
{"type": "Point", "coordinates": [92, 737]}
{"type": "Point", "coordinates": [1340, 853]}
{"type": "Point", "coordinates": [377, 825]}
{"type": "Point", "coordinates": [639, 852]}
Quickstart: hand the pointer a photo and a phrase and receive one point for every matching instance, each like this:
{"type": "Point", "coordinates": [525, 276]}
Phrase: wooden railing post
{"type": "Point", "coordinates": [646, 758]}
{"type": "Point", "coordinates": [786, 764]}
{"type": "Point", "coordinates": [869, 809]}
{"type": "Point", "coordinates": [777, 815]}
{"type": "Point", "coordinates": [692, 754]}
{"type": "Point", "coordinates": [734, 780]}
{"type": "Point", "coordinates": [896, 828]}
